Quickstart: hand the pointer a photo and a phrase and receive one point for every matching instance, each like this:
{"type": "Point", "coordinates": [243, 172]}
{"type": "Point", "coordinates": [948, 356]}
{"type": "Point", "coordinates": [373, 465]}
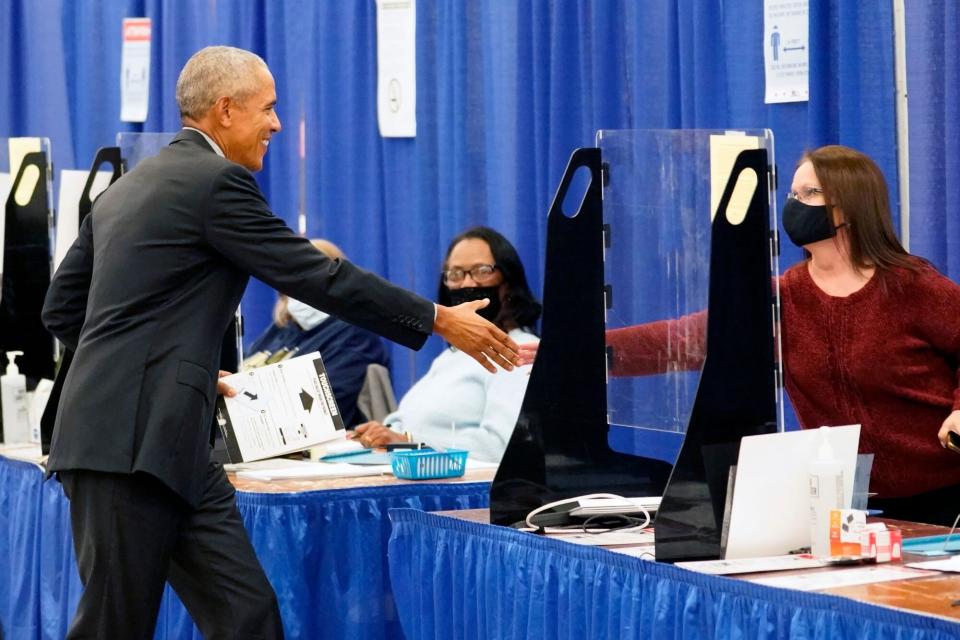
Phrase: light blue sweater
{"type": "Point", "coordinates": [458, 392]}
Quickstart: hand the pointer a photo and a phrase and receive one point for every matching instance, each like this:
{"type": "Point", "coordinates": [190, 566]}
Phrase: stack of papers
{"type": "Point", "coordinates": [340, 447]}
{"type": "Point", "coordinates": [754, 565]}
{"type": "Point", "coordinates": [287, 469]}
{"type": "Point", "coordinates": [363, 462]}
{"type": "Point", "coordinates": [951, 564]}
{"type": "Point", "coordinates": [634, 536]}
{"type": "Point", "coordinates": [842, 578]}
{"type": "Point", "coordinates": [314, 471]}
{"type": "Point", "coordinates": [613, 506]}
{"type": "Point", "coordinates": [26, 452]}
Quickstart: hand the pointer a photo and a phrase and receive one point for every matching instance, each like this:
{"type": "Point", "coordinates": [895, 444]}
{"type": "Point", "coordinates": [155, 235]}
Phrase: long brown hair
{"type": "Point", "coordinates": [852, 182]}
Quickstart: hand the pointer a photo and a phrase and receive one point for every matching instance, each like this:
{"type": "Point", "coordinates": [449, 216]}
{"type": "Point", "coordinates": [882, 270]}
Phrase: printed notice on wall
{"type": "Point", "coordinates": [786, 50]}
{"type": "Point", "coordinates": [278, 409]}
{"type": "Point", "coordinates": [135, 70]}
{"type": "Point", "coordinates": [397, 68]}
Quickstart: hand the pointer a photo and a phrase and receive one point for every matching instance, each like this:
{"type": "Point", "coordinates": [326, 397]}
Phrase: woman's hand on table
{"type": "Point", "coordinates": [374, 434]}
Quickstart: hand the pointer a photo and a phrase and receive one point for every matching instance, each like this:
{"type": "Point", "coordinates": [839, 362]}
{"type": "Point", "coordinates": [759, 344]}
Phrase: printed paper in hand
{"type": "Point", "coordinates": [278, 409]}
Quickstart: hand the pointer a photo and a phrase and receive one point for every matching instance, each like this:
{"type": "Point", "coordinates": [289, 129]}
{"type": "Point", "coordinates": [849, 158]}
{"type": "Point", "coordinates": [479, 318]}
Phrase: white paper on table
{"type": "Point", "coordinates": [315, 471]}
{"type": "Point", "coordinates": [754, 565]}
{"type": "Point", "coordinates": [25, 452]}
{"type": "Point", "coordinates": [260, 465]}
{"type": "Point", "coordinates": [951, 564]}
{"type": "Point", "coordinates": [36, 403]}
{"type": "Point", "coordinates": [135, 70]}
{"type": "Point", "coordinates": [786, 50]}
{"type": "Point", "coordinates": [68, 206]}
{"type": "Point", "coordinates": [609, 538]}
{"type": "Point", "coordinates": [644, 552]}
{"type": "Point", "coordinates": [476, 465]}
{"type": "Point", "coordinates": [397, 68]}
{"type": "Point", "coordinates": [818, 580]}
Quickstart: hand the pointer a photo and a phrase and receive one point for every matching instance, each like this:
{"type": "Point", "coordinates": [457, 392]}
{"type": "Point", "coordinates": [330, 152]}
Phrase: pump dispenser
{"type": "Point", "coordinates": [13, 398]}
{"type": "Point", "coordinates": [826, 494]}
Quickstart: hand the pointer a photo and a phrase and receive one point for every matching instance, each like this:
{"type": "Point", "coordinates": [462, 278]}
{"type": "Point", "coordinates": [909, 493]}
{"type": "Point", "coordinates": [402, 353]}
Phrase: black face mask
{"type": "Point", "coordinates": [806, 224]}
{"type": "Point", "coordinates": [468, 294]}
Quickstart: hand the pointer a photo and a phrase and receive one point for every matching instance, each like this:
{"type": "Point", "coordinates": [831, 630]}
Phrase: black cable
{"type": "Point", "coordinates": [627, 522]}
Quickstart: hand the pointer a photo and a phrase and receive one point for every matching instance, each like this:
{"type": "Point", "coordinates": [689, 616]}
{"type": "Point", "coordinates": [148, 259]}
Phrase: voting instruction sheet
{"type": "Point", "coordinates": [278, 409]}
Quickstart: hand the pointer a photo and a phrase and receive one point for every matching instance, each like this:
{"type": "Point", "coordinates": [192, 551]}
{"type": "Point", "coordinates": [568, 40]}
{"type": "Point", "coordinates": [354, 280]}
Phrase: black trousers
{"type": "Point", "coordinates": [132, 534]}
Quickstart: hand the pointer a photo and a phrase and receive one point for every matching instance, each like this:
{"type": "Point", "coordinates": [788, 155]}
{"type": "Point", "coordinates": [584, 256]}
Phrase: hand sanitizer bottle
{"type": "Point", "coordinates": [13, 397]}
{"type": "Point", "coordinates": [826, 494]}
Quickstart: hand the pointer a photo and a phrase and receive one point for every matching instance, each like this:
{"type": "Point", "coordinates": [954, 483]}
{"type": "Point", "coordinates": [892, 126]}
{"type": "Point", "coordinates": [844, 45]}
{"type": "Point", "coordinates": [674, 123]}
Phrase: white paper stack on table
{"type": "Point", "coordinates": [613, 506]}
{"type": "Point", "coordinates": [286, 469]}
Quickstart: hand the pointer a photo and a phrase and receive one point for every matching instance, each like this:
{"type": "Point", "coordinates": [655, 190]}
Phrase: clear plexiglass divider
{"type": "Point", "coordinates": [661, 191]}
{"type": "Point", "coordinates": [135, 146]}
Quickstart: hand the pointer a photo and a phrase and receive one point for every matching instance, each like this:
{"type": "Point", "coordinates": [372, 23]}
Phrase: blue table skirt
{"type": "Point", "coordinates": [454, 579]}
{"type": "Point", "coordinates": [324, 552]}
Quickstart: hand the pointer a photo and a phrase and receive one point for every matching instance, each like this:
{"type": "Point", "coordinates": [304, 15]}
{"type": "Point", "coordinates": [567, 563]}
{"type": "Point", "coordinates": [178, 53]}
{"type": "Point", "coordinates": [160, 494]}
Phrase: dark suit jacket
{"type": "Point", "coordinates": [146, 292]}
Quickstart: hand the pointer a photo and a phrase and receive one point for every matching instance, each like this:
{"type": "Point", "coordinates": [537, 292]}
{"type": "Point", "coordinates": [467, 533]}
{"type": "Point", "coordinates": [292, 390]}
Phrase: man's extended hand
{"type": "Point", "coordinates": [475, 336]}
{"type": "Point", "coordinates": [222, 387]}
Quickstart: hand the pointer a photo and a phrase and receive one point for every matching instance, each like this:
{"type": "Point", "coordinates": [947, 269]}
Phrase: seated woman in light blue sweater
{"type": "Point", "coordinates": [458, 403]}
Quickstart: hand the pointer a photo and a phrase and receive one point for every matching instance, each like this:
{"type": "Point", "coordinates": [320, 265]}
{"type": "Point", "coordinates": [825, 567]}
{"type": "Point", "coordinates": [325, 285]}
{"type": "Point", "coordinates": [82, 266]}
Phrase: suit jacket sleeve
{"type": "Point", "coordinates": [65, 306]}
{"type": "Point", "coordinates": [241, 227]}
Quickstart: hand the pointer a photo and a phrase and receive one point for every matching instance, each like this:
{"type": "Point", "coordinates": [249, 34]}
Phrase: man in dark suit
{"type": "Point", "coordinates": [143, 298]}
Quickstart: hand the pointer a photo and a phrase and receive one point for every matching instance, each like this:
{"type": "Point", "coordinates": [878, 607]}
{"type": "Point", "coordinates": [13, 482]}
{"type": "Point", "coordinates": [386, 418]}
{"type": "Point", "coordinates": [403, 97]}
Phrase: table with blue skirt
{"type": "Point", "coordinates": [456, 579]}
{"type": "Point", "coordinates": [324, 551]}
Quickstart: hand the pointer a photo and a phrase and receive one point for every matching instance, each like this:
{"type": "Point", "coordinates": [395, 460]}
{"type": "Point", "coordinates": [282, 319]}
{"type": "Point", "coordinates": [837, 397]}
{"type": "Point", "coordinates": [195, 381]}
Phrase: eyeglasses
{"type": "Point", "coordinates": [806, 194]}
{"type": "Point", "coordinates": [479, 272]}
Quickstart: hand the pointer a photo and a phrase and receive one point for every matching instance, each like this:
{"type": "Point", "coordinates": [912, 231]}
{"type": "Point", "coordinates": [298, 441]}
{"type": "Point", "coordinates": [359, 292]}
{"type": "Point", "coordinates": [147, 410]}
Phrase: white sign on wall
{"type": "Point", "coordinates": [397, 68]}
{"type": "Point", "coordinates": [135, 70]}
{"type": "Point", "coordinates": [786, 50]}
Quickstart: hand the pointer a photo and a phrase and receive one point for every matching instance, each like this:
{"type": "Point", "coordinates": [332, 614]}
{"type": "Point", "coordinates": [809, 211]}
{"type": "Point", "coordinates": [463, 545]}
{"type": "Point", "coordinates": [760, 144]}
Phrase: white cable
{"type": "Point", "coordinates": [532, 527]}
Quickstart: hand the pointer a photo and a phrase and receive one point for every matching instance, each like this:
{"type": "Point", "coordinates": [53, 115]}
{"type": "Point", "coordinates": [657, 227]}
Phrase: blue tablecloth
{"type": "Point", "coordinates": [454, 580]}
{"type": "Point", "coordinates": [324, 552]}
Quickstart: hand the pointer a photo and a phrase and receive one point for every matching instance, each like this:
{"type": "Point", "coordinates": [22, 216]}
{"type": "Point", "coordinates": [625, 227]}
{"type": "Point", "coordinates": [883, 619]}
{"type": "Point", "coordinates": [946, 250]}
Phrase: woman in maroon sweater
{"type": "Point", "coordinates": [871, 335]}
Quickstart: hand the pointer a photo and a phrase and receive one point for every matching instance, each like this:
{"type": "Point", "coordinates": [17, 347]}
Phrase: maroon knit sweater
{"type": "Point", "coordinates": [885, 357]}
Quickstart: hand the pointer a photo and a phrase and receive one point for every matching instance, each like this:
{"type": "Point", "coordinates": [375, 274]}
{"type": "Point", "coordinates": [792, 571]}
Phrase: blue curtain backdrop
{"type": "Point", "coordinates": [933, 83]}
{"type": "Point", "coordinates": [505, 91]}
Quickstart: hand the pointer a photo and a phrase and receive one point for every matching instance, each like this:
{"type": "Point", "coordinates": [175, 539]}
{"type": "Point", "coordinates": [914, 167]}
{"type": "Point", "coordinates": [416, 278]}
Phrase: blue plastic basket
{"type": "Point", "coordinates": [427, 464]}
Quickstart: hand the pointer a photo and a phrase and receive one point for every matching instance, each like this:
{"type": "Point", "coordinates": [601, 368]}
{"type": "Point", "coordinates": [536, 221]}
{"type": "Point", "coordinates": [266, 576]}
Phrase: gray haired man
{"type": "Point", "coordinates": [143, 298]}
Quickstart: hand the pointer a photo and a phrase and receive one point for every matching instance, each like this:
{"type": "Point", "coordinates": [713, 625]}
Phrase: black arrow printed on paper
{"type": "Point", "coordinates": [306, 400]}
